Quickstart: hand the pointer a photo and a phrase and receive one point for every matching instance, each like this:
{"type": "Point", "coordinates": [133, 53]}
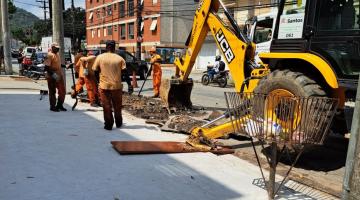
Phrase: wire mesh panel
{"type": "Point", "coordinates": [282, 119]}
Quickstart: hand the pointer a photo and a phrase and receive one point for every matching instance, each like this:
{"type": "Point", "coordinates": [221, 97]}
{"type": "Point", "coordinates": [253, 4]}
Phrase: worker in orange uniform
{"type": "Point", "coordinates": [79, 54]}
{"type": "Point", "coordinates": [87, 77]}
{"type": "Point", "coordinates": [156, 70]}
{"type": "Point", "coordinates": [55, 79]}
{"type": "Point", "coordinates": [109, 65]}
{"type": "Point", "coordinates": [81, 79]}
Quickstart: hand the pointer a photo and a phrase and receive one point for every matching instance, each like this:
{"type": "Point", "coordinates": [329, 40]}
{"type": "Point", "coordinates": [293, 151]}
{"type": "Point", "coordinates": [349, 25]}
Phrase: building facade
{"type": "Point", "coordinates": [163, 24]}
{"type": "Point", "coordinates": [166, 24]}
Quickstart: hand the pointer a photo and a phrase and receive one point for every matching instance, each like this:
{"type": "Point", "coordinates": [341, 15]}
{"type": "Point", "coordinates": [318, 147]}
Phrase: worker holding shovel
{"type": "Point", "coordinates": [55, 79]}
{"type": "Point", "coordinates": [156, 62]}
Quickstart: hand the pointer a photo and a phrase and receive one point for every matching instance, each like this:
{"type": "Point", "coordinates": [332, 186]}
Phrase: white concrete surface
{"type": "Point", "coordinates": [68, 155]}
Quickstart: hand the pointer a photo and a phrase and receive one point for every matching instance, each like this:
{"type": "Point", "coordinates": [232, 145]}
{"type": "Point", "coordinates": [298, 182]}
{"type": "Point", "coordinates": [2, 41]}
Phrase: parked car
{"type": "Point", "coordinates": [28, 51]}
{"type": "Point", "coordinates": [14, 53]}
{"type": "Point", "coordinates": [132, 63]}
{"type": "Point", "coordinates": [39, 57]}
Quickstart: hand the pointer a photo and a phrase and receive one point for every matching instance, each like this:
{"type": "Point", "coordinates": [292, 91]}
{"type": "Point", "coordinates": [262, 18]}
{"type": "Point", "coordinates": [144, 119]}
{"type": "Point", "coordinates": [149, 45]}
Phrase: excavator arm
{"type": "Point", "coordinates": [239, 54]}
{"type": "Point", "coordinates": [237, 50]}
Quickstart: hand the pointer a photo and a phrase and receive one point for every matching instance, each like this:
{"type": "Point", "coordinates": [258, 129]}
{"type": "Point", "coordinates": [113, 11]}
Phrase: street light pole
{"type": "Point", "coordinates": [6, 36]}
{"type": "Point", "coordinates": [138, 24]}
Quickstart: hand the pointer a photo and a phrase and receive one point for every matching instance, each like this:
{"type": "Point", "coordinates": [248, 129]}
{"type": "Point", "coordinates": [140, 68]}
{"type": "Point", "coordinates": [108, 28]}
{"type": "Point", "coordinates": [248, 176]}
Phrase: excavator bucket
{"type": "Point", "coordinates": [176, 93]}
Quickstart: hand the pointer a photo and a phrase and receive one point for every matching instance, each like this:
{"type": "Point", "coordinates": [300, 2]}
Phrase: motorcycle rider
{"type": "Point", "coordinates": [218, 67]}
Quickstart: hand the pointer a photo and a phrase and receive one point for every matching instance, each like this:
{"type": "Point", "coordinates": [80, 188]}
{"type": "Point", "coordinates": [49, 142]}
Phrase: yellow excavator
{"type": "Point", "coordinates": [314, 53]}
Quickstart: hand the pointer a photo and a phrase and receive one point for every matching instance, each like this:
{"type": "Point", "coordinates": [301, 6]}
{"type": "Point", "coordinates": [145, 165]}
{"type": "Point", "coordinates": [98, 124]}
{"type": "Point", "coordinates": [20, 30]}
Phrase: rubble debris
{"type": "Point", "coordinates": [160, 123]}
{"type": "Point", "coordinates": [184, 123]}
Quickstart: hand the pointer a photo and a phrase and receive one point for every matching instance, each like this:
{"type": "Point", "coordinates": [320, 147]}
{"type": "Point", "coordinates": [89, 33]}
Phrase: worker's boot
{"type": "Point", "coordinates": [54, 109]}
{"type": "Point", "coordinates": [130, 89]}
{"type": "Point", "coordinates": [60, 107]}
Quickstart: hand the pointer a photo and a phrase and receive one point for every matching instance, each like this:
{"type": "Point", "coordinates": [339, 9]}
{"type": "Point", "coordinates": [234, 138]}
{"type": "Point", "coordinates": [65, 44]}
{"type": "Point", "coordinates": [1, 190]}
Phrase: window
{"type": "Point", "coordinates": [109, 10]}
{"type": "Point", "coordinates": [109, 30]}
{"type": "Point", "coordinates": [122, 32]}
{"type": "Point", "coordinates": [263, 31]}
{"type": "Point", "coordinates": [129, 57]}
{"type": "Point", "coordinates": [98, 32]}
{"type": "Point", "coordinates": [142, 27]}
{"type": "Point", "coordinates": [98, 13]}
{"type": "Point", "coordinates": [91, 17]}
{"type": "Point", "coordinates": [90, 1]}
{"type": "Point", "coordinates": [154, 2]}
{"type": "Point", "coordinates": [131, 30]}
{"type": "Point", "coordinates": [122, 9]}
{"type": "Point", "coordinates": [92, 33]}
{"type": "Point", "coordinates": [292, 20]}
{"type": "Point", "coordinates": [153, 24]}
{"type": "Point", "coordinates": [131, 7]}
{"type": "Point", "coordinates": [105, 32]}
{"type": "Point", "coordinates": [115, 6]}
{"type": "Point", "coordinates": [115, 28]}
{"type": "Point", "coordinates": [339, 15]}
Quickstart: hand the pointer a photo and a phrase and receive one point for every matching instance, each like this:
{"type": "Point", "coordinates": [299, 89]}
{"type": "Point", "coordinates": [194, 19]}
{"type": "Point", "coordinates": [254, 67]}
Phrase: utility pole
{"type": "Point", "coordinates": [6, 36]}
{"type": "Point", "coordinates": [138, 23]}
{"type": "Point", "coordinates": [351, 184]}
{"type": "Point", "coordinates": [44, 7]}
{"type": "Point", "coordinates": [0, 28]}
{"type": "Point", "coordinates": [58, 29]}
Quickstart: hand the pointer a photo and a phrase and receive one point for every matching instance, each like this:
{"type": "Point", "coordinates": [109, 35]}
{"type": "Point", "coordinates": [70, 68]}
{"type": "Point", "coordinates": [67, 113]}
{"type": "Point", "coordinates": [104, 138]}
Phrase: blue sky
{"type": "Point", "coordinates": [33, 6]}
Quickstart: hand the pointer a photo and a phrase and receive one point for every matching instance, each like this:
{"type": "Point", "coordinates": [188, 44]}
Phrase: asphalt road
{"type": "Point", "coordinates": [211, 96]}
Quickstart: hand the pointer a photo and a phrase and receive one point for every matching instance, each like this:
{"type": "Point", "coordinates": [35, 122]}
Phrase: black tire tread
{"type": "Point", "coordinates": [308, 86]}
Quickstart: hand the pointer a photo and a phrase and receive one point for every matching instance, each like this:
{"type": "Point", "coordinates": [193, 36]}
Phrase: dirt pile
{"type": "Point", "coordinates": [155, 112]}
{"type": "Point", "coordinates": [145, 107]}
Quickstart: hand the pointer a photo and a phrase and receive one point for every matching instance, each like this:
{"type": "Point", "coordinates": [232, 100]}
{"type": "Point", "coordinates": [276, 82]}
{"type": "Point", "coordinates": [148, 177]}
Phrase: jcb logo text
{"type": "Point", "coordinates": [225, 47]}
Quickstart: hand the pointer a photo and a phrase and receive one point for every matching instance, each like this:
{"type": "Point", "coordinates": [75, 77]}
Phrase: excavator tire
{"type": "Point", "coordinates": [287, 83]}
{"type": "Point", "coordinates": [290, 82]}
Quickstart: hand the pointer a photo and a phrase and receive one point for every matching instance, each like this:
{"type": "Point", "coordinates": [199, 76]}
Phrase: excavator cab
{"type": "Point", "coordinates": [315, 50]}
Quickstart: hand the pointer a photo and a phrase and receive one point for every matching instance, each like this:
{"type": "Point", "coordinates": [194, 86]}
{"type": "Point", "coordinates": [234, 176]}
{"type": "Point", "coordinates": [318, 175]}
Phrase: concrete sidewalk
{"type": "Point", "coordinates": [68, 155]}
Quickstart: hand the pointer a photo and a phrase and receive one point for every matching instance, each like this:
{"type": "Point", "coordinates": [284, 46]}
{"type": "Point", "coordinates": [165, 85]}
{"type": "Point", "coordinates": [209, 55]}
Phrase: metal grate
{"type": "Point", "coordinates": [289, 121]}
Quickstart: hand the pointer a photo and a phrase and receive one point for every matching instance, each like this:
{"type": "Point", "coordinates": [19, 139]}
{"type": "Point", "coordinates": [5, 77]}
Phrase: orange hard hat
{"type": "Point", "coordinates": [153, 49]}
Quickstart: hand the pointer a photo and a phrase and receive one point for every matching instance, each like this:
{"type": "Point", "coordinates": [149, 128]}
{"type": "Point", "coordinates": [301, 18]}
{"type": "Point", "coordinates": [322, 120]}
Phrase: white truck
{"type": "Point", "coordinates": [46, 45]}
{"type": "Point", "coordinates": [47, 41]}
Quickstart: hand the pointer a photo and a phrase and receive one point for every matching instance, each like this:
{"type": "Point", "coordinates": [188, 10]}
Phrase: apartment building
{"type": "Point", "coordinates": [163, 23]}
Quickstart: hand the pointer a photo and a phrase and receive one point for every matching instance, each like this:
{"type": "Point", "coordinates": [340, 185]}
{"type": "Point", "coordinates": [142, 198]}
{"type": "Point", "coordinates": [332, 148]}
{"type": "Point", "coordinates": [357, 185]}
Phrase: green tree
{"type": "Point", "coordinates": [18, 34]}
{"type": "Point", "coordinates": [11, 7]}
{"type": "Point", "coordinates": [74, 26]}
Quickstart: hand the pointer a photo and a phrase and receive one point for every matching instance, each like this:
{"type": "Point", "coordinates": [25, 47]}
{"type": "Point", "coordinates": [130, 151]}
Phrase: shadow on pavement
{"type": "Point", "coordinates": [42, 144]}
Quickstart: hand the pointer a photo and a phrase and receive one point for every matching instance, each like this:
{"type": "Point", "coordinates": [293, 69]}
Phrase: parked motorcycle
{"type": "Point", "coordinates": [38, 72]}
{"type": "Point", "coordinates": [36, 69]}
{"type": "Point", "coordinates": [220, 78]}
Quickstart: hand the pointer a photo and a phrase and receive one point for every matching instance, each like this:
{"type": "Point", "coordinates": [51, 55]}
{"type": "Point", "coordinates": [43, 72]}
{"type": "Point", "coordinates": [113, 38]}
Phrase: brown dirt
{"type": "Point", "coordinates": [184, 123]}
{"type": "Point", "coordinates": [150, 108]}
{"type": "Point", "coordinates": [145, 107]}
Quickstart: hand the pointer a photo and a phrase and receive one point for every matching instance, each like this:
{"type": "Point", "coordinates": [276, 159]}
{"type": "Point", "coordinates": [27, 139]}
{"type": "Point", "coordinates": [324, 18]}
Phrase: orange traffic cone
{"type": "Point", "coordinates": [134, 82]}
